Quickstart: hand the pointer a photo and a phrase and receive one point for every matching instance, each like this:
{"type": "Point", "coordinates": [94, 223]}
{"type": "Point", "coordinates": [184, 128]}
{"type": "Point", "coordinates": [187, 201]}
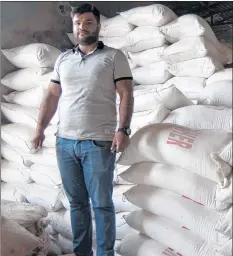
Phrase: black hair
{"type": "Point", "coordinates": [83, 8]}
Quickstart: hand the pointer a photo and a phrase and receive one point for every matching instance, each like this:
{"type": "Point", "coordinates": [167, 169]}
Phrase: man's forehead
{"type": "Point", "coordinates": [84, 16]}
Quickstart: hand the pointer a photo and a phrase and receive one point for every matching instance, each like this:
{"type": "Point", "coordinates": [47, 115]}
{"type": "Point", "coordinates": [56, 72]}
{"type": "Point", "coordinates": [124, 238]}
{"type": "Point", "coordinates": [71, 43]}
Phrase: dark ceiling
{"type": "Point", "coordinates": [219, 14]}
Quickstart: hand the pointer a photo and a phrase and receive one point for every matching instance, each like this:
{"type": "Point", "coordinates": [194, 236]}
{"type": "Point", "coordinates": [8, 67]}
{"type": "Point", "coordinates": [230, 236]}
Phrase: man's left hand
{"type": "Point", "coordinates": [120, 142]}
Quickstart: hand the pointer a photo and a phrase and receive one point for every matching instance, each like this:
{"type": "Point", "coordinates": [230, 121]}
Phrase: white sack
{"type": "Point", "coordinates": [20, 136]}
{"type": "Point", "coordinates": [28, 78]}
{"type": "Point", "coordinates": [47, 197]}
{"type": "Point", "coordinates": [149, 56]}
{"type": "Point", "coordinates": [12, 172]}
{"type": "Point", "coordinates": [120, 189]}
{"type": "Point", "coordinates": [23, 213]}
{"type": "Point", "coordinates": [226, 249]}
{"type": "Point", "coordinates": [141, 245]}
{"type": "Point", "coordinates": [55, 246]}
{"type": "Point", "coordinates": [171, 97]}
{"type": "Point", "coordinates": [44, 156]}
{"type": "Point", "coordinates": [224, 195]}
{"type": "Point", "coordinates": [132, 65]}
{"type": "Point", "coordinates": [189, 214]}
{"type": "Point", "coordinates": [16, 240]}
{"type": "Point", "coordinates": [160, 229]}
{"type": "Point", "coordinates": [122, 228]}
{"type": "Point", "coordinates": [25, 115]}
{"type": "Point", "coordinates": [225, 74]}
{"type": "Point", "coordinates": [46, 176]}
{"type": "Point", "coordinates": [32, 55]}
{"type": "Point", "coordinates": [12, 192]}
{"type": "Point", "coordinates": [200, 67]}
{"type": "Point", "coordinates": [143, 38]}
{"type": "Point", "coordinates": [154, 73]}
{"type": "Point", "coordinates": [191, 87]}
{"type": "Point", "coordinates": [66, 244]}
{"type": "Point", "coordinates": [226, 154]}
{"type": "Point", "coordinates": [200, 117]}
{"type": "Point", "coordinates": [188, 25]}
{"type": "Point", "coordinates": [20, 114]}
{"type": "Point", "coordinates": [217, 94]}
{"type": "Point", "coordinates": [192, 47]}
{"type": "Point", "coordinates": [178, 180]}
{"type": "Point", "coordinates": [11, 154]}
{"type": "Point", "coordinates": [115, 27]}
{"type": "Point", "coordinates": [225, 224]}
{"type": "Point", "coordinates": [117, 172]}
{"type": "Point", "coordinates": [151, 15]}
{"type": "Point", "coordinates": [60, 221]}
{"type": "Point", "coordinates": [168, 143]}
{"type": "Point", "coordinates": [121, 204]}
{"type": "Point", "coordinates": [30, 98]}
{"type": "Point", "coordinates": [143, 118]}
{"type": "Point", "coordinates": [114, 42]}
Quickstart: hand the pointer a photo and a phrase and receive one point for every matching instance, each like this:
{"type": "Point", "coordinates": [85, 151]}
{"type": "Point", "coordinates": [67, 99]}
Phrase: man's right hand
{"type": "Point", "coordinates": [38, 140]}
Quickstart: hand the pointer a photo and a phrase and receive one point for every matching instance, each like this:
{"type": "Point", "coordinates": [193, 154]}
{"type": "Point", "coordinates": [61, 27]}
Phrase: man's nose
{"type": "Point", "coordinates": [82, 26]}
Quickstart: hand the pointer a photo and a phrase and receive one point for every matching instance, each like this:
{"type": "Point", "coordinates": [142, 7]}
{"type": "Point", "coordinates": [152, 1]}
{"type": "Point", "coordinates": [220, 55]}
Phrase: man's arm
{"type": "Point", "coordinates": [48, 106]}
{"type": "Point", "coordinates": [125, 90]}
{"type": "Point", "coordinates": [47, 110]}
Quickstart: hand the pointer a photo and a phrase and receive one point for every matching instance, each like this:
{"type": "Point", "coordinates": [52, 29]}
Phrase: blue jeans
{"type": "Point", "coordinates": [86, 169]}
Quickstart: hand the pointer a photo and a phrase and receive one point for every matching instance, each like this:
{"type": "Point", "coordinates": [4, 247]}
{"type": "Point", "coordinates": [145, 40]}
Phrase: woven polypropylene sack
{"type": "Point", "coordinates": [178, 180]}
{"type": "Point", "coordinates": [32, 55]}
{"type": "Point", "coordinates": [196, 148]}
{"type": "Point", "coordinates": [151, 15]}
{"type": "Point", "coordinates": [160, 228]}
{"type": "Point", "coordinates": [200, 117]}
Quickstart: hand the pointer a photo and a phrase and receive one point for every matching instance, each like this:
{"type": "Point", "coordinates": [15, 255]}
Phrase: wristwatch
{"type": "Point", "coordinates": [125, 130]}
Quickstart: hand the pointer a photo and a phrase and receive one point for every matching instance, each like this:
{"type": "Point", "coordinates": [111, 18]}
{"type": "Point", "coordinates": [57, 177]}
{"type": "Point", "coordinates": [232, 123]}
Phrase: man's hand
{"type": "Point", "coordinates": [38, 140]}
{"type": "Point", "coordinates": [120, 142]}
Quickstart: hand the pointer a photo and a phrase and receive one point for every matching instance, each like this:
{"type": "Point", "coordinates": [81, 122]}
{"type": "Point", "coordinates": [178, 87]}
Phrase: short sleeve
{"type": "Point", "coordinates": [122, 69]}
{"type": "Point", "coordinates": [55, 78]}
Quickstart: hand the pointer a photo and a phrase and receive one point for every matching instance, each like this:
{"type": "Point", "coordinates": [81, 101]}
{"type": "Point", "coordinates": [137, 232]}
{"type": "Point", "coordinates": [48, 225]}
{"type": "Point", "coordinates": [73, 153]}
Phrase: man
{"type": "Point", "coordinates": [84, 83]}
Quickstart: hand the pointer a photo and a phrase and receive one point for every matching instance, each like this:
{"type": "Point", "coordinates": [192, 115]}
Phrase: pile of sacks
{"type": "Point", "coordinates": [183, 181]}
{"type": "Point", "coordinates": [23, 229]}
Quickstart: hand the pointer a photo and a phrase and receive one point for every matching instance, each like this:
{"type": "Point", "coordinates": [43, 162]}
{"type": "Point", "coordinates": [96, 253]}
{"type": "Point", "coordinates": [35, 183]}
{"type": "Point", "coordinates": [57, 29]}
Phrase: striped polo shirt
{"type": "Point", "coordinates": [87, 106]}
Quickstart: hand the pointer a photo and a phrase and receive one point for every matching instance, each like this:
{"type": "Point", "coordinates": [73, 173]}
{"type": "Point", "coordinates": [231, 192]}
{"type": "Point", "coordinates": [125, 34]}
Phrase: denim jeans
{"type": "Point", "coordinates": [86, 169]}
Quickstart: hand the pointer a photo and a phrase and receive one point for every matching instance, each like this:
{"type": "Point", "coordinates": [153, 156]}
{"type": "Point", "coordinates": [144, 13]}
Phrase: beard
{"type": "Point", "coordinates": [89, 39]}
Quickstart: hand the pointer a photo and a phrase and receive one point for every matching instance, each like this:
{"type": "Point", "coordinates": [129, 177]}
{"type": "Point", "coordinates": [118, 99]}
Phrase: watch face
{"type": "Point", "coordinates": [128, 131]}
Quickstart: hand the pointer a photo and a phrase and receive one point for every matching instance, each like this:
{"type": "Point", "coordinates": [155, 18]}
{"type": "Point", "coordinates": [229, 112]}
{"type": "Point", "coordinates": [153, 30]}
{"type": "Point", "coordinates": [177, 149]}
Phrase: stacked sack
{"type": "Point", "coordinates": [194, 55]}
{"type": "Point", "coordinates": [184, 190]}
{"type": "Point", "coordinates": [29, 175]}
{"type": "Point", "coordinates": [23, 229]}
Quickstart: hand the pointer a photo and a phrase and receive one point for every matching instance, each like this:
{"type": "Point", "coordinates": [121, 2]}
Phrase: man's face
{"type": "Point", "coordinates": [85, 28]}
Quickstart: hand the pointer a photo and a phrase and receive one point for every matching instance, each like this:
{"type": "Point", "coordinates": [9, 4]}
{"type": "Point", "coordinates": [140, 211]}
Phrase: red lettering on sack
{"type": "Point", "coordinates": [181, 137]}
{"type": "Point", "coordinates": [192, 200]}
{"type": "Point", "coordinates": [179, 143]}
{"type": "Point", "coordinates": [185, 228]}
{"type": "Point", "coordinates": [187, 131]}
{"type": "Point", "coordinates": [170, 252]}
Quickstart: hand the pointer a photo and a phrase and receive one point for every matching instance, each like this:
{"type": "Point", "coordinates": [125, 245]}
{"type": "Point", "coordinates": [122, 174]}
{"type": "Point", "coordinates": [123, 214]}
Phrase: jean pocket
{"type": "Point", "coordinates": [57, 140]}
{"type": "Point", "coordinates": [102, 144]}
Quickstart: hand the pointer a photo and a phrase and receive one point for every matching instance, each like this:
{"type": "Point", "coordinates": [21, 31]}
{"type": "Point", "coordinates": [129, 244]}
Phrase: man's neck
{"type": "Point", "coordinates": [86, 49]}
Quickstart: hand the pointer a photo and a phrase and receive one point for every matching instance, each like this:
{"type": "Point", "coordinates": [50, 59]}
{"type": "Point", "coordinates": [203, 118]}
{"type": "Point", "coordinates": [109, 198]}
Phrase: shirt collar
{"type": "Point", "coordinates": [100, 46]}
